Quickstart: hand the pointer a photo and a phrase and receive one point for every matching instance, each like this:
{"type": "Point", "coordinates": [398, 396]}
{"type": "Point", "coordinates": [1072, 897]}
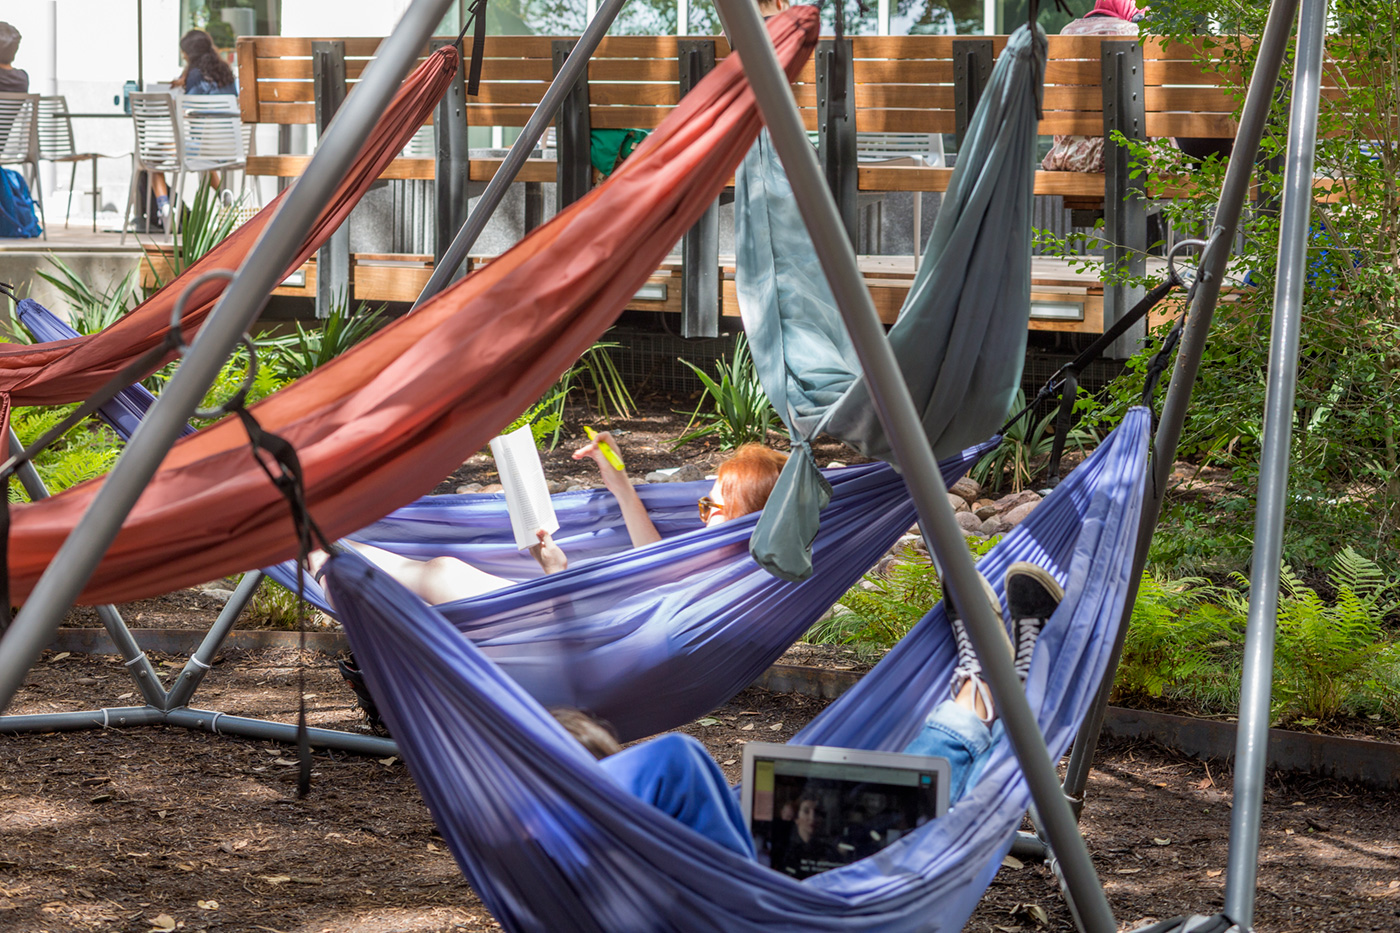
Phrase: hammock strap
{"type": "Point", "coordinates": [476, 16]}
{"type": "Point", "coordinates": [290, 482]}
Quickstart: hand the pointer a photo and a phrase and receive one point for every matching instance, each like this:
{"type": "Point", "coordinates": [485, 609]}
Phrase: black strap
{"type": "Point", "coordinates": [476, 17]}
{"type": "Point", "coordinates": [289, 481]}
{"type": "Point", "coordinates": [1092, 352]}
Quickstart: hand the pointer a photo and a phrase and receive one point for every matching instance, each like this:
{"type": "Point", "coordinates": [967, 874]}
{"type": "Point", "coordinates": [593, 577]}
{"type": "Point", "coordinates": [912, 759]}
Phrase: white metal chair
{"type": "Point", "coordinates": [19, 143]}
{"type": "Point", "coordinates": [214, 136]}
{"type": "Point", "coordinates": [56, 145]}
{"type": "Point", "coordinates": [159, 148]}
{"type": "Point", "coordinates": [903, 149]}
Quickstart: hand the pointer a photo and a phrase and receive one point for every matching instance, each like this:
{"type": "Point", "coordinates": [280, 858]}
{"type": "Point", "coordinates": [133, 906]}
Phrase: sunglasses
{"type": "Point", "coordinates": [709, 507]}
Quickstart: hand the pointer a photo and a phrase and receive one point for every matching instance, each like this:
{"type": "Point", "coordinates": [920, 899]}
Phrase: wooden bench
{"type": "Point", "coordinates": [906, 85]}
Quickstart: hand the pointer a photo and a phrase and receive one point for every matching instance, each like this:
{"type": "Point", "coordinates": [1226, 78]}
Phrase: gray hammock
{"type": "Point", "coordinates": [960, 338]}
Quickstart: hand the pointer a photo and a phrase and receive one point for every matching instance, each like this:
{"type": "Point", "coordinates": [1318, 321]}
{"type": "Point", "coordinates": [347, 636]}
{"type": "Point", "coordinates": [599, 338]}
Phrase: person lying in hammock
{"type": "Point", "coordinates": [675, 773]}
{"type": "Point", "coordinates": [742, 485]}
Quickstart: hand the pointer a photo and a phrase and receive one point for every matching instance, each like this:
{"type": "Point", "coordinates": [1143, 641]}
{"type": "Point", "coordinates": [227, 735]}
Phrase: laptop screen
{"type": "Point", "coordinates": [813, 808]}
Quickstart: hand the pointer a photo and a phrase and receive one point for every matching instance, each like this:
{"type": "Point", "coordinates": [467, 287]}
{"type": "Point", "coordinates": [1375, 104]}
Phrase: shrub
{"type": "Point", "coordinates": [1024, 447]}
{"type": "Point", "coordinates": [740, 411]}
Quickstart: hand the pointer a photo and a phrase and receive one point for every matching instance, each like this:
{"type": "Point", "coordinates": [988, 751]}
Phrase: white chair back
{"type": "Point", "coordinates": [55, 129]}
{"type": "Point", "coordinates": [158, 144]}
{"type": "Point", "coordinates": [920, 148]}
{"type": "Point", "coordinates": [19, 136]}
{"type": "Point", "coordinates": [213, 131]}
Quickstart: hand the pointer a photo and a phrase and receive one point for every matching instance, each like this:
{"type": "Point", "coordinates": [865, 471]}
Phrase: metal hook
{"type": "Point", "coordinates": [1171, 261]}
{"type": "Point", "coordinates": [177, 314]}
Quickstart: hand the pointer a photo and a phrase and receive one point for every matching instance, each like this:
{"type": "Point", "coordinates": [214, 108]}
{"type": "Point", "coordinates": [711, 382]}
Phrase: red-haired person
{"type": "Point", "coordinates": [743, 483]}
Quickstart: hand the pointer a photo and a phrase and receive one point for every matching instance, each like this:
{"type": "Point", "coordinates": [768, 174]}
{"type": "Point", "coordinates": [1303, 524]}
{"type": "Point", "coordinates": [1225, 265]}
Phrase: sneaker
{"type": "Point", "coordinates": [356, 680]}
{"type": "Point", "coordinates": [968, 666]}
{"type": "Point", "coordinates": [1032, 595]}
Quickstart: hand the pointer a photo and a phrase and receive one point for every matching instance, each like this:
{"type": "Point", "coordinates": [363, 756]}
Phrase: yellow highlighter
{"type": "Point", "coordinates": [607, 450]}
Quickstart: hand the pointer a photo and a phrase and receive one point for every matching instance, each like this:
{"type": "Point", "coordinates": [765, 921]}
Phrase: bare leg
{"type": "Point", "coordinates": [440, 580]}
{"type": "Point", "coordinates": [158, 186]}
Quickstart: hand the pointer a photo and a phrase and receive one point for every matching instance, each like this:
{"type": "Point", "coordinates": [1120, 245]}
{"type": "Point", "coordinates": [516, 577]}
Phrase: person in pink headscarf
{"type": "Point", "coordinates": [1107, 18]}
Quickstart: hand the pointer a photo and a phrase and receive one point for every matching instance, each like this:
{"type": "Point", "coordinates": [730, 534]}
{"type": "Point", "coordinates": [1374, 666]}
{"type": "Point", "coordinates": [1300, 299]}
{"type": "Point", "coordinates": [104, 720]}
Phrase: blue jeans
{"type": "Point", "coordinates": [675, 774]}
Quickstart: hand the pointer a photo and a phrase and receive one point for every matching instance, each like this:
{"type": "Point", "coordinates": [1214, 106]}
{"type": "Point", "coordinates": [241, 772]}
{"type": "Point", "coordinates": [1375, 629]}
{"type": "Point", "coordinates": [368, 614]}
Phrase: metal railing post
{"type": "Point", "coordinates": [333, 259]}
{"type": "Point", "coordinates": [236, 311]}
{"type": "Point", "coordinates": [1270, 511]}
{"type": "Point", "coordinates": [906, 434]}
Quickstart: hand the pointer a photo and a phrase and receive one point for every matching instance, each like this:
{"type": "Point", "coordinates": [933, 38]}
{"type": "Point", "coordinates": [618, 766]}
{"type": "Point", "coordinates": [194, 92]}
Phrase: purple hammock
{"type": "Point", "coordinates": [552, 843]}
{"type": "Point", "coordinates": [685, 623]}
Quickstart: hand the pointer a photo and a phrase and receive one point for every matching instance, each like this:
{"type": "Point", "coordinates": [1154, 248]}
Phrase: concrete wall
{"type": "Point", "coordinates": [100, 270]}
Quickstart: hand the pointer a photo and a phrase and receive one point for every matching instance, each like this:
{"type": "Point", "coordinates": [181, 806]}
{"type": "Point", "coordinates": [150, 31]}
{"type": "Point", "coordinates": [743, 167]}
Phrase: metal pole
{"type": "Point", "coordinates": [236, 311]}
{"type": "Point", "coordinates": [140, 49]}
{"type": "Point", "coordinates": [1252, 741]}
{"type": "Point", "coordinates": [445, 270]}
{"type": "Point", "coordinates": [1233, 193]}
{"type": "Point", "coordinates": [906, 434]}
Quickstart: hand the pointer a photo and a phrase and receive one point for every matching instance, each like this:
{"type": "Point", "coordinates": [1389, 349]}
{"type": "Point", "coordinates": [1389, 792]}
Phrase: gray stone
{"type": "Point", "coordinates": [494, 487]}
{"type": "Point", "coordinates": [835, 465]}
{"type": "Point", "coordinates": [577, 487]}
{"type": "Point", "coordinates": [967, 521]}
{"type": "Point", "coordinates": [656, 476]}
{"type": "Point", "coordinates": [219, 593]}
{"type": "Point", "coordinates": [1018, 514]}
{"type": "Point", "coordinates": [996, 525]}
{"type": "Point", "coordinates": [985, 512]}
{"type": "Point", "coordinates": [904, 542]}
{"type": "Point", "coordinates": [966, 488]}
{"type": "Point", "coordinates": [1007, 503]}
{"type": "Point", "coordinates": [958, 503]}
{"type": "Point", "coordinates": [469, 487]}
{"type": "Point", "coordinates": [690, 473]}
{"type": "Point", "coordinates": [557, 486]}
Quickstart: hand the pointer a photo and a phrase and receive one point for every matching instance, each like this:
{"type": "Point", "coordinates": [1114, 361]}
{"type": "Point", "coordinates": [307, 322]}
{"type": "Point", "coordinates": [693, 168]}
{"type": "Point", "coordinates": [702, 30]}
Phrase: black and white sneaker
{"type": "Point", "coordinates": [968, 666]}
{"type": "Point", "coordinates": [1032, 595]}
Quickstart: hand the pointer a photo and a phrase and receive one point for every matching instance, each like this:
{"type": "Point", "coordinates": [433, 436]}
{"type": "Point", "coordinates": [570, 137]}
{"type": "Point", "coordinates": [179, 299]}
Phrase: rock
{"type": "Point", "coordinates": [657, 476]}
{"type": "Point", "coordinates": [958, 503]}
{"type": "Point", "coordinates": [967, 521]}
{"type": "Point", "coordinates": [690, 473]}
{"type": "Point", "coordinates": [985, 512]}
{"type": "Point", "coordinates": [1007, 503]}
{"type": "Point", "coordinates": [869, 585]}
{"type": "Point", "coordinates": [222, 595]}
{"type": "Point", "coordinates": [905, 541]}
{"type": "Point", "coordinates": [468, 487]}
{"type": "Point", "coordinates": [976, 504]}
{"type": "Point", "coordinates": [1018, 514]}
{"type": "Point", "coordinates": [836, 610]}
{"type": "Point", "coordinates": [887, 566]}
{"type": "Point", "coordinates": [914, 529]}
{"type": "Point", "coordinates": [996, 525]}
{"type": "Point", "coordinates": [494, 487]}
{"type": "Point", "coordinates": [577, 487]}
{"type": "Point", "coordinates": [967, 489]}
{"type": "Point", "coordinates": [835, 465]}
{"type": "Point", "coordinates": [557, 486]}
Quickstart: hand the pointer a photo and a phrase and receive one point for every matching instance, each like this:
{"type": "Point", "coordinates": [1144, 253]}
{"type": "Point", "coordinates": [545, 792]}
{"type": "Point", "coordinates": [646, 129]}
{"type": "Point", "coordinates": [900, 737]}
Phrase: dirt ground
{"type": "Point", "coordinates": [158, 828]}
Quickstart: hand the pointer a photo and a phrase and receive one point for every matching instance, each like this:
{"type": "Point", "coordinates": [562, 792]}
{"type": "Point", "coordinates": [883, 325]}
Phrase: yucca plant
{"type": "Point", "coordinates": [297, 354]}
{"type": "Point", "coordinates": [89, 310]}
{"type": "Point", "coordinates": [205, 225]}
{"type": "Point", "coordinates": [596, 376]}
{"type": "Point", "coordinates": [740, 410]}
{"type": "Point", "coordinates": [1025, 442]}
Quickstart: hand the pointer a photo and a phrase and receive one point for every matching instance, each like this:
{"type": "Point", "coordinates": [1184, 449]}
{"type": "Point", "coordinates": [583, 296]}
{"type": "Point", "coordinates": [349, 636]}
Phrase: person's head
{"type": "Point", "coordinates": [810, 812]}
{"type": "Point", "coordinates": [9, 43]}
{"type": "Point", "coordinates": [742, 483]}
{"type": "Point", "coordinates": [772, 7]}
{"type": "Point", "coordinates": [1125, 10]}
{"type": "Point", "coordinates": [596, 735]}
{"type": "Point", "coordinates": [198, 49]}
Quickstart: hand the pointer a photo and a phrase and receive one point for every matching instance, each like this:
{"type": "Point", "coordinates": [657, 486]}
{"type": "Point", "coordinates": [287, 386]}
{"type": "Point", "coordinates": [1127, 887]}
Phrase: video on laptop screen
{"type": "Point", "coordinates": [810, 816]}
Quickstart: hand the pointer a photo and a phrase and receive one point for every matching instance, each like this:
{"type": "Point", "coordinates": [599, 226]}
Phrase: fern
{"type": "Point", "coordinates": [87, 451]}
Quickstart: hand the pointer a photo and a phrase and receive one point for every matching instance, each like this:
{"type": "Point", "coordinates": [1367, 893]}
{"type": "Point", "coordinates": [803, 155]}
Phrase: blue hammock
{"type": "Point", "coordinates": [688, 622]}
{"type": "Point", "coordinates": [551, 843]}
{"type": "Point", "coordinates": [960, 338]}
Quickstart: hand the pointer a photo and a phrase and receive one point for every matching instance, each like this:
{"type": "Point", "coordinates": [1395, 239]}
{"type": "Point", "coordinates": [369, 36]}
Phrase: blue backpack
{"type": "Point", "coordinates": [17, 218]}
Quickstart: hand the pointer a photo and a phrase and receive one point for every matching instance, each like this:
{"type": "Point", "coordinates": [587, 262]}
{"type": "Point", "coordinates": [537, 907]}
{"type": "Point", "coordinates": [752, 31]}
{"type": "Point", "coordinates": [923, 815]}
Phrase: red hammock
{"type": "Point", "coordinates": [71, 370]}
{"type": "Point", "coordinates": [382, 424]}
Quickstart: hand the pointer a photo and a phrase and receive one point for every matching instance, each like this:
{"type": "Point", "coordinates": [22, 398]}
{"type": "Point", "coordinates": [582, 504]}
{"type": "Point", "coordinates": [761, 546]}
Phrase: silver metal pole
{"type": "Point", "coordinates": [236, 311]}
{"type": "Point", "coordinates": [1251, 745]}
{"type": "Point", "coordinates": [446, 269]}
{"type": "Point", "coordinates": [907, 438]}
{"type": "Point", "coordinates": [203, 658]}
{"type": "Point", "coordinates": [1211, 274]}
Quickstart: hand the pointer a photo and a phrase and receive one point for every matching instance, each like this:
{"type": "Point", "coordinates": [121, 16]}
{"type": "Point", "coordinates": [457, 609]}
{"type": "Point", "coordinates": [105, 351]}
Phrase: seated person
{"type": "Point", "coordinates": [676, 775]}
{"type": "Point", "coordinates": [742, 485]}
{"type": "Point", "coordinates": [1107, 18]}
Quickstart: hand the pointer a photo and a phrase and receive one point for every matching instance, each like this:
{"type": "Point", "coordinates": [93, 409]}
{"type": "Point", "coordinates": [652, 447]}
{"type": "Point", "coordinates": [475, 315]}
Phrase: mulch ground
{"type": "Point", "coordinates": [158, 828]}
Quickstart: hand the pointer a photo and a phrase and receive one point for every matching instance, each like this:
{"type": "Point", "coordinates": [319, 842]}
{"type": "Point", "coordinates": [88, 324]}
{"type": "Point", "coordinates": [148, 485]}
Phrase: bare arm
{"type": "Point", "coordinates": [639, 526]}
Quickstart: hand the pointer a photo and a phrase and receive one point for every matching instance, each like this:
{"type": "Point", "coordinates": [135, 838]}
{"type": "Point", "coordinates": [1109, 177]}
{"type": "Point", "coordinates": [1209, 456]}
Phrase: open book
{"type": "Point", "coordinates": [527, 492]}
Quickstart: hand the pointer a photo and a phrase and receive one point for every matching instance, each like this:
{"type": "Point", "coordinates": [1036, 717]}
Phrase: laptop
{"type": "Point", "coordinates": [812, 808]}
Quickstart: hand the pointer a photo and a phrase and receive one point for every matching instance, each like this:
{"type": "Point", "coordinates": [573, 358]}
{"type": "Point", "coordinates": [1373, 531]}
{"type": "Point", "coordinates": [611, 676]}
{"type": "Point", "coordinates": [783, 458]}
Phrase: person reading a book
{"type": "Point", "coordinates": [675, 774]}
{"type": "Point", "coordinates": [743, 483]}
